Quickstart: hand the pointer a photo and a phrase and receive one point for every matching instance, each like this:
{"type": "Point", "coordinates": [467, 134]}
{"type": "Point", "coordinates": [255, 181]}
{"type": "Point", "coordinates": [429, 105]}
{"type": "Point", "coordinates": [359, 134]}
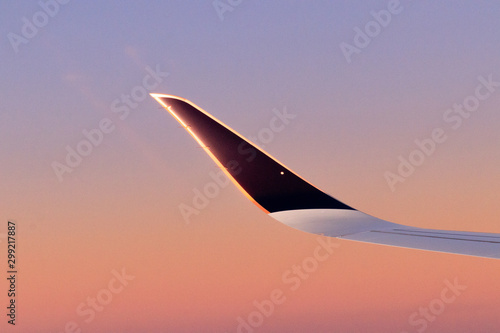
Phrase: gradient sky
{"type": "Point", "coordinates": [119, 208]}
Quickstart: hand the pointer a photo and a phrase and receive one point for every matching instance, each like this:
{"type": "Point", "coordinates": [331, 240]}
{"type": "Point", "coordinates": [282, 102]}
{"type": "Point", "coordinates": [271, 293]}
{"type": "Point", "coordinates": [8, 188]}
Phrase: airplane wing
{"type": "Point", "coordinates": [288, 198]}
{"type": "Point", "coordinates": [357, 226]}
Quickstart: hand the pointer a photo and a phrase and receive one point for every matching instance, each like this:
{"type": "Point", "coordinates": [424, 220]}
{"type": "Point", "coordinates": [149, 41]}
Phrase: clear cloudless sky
{"type": "Point", "coordinates": [116, 211]}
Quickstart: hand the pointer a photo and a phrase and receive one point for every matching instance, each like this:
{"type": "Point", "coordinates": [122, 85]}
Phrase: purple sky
{"type": "Point", "coordinates": [88, 66]}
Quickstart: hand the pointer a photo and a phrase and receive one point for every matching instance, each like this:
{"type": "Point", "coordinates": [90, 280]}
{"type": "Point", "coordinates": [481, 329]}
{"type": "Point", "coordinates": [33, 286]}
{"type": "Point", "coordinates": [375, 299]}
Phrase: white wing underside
{"type": "Point", "coordinates": [357, 226]}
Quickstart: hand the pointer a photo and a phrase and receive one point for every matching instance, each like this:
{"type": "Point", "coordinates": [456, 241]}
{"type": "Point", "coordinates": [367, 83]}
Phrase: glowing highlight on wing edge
{"type": "Point", "coordinates": [202, 144]}
{"type": "Point", "coordinates": [168, 108]}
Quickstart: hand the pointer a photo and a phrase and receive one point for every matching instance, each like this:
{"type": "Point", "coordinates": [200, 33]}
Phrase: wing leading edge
{"type": "Point", "coordinates": [293, 201]}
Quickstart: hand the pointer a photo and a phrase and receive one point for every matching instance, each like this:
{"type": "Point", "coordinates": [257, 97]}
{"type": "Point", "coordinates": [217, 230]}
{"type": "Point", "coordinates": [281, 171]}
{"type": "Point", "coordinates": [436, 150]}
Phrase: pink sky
{"type": "Point", "coordinates": [118, 210]}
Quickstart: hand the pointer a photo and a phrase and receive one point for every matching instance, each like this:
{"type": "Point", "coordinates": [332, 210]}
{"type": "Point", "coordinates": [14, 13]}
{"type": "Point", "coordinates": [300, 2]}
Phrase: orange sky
{"type": "Point", "coordinates": [118, 210]}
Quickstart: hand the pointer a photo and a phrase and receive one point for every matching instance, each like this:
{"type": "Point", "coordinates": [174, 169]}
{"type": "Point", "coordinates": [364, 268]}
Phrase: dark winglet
{"type": "Point", "coordinates": [271, 185]}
